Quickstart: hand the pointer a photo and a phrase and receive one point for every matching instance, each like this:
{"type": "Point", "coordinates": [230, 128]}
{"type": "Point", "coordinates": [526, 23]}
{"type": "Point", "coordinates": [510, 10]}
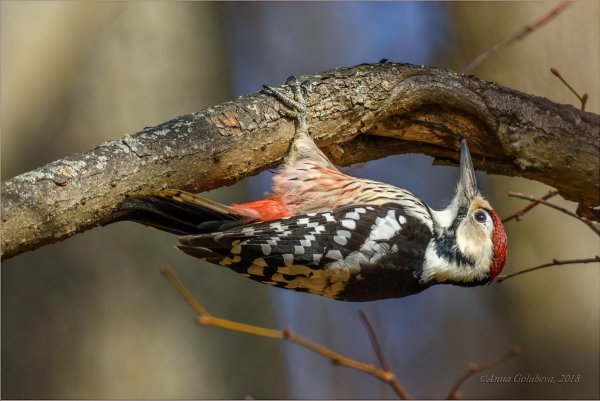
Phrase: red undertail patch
{"type": "Point", "coordinates": [264, 210]}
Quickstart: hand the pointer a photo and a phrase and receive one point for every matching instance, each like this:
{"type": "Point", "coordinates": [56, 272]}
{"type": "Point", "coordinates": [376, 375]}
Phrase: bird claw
{"type": "Point", "coordinates": [295, 103]}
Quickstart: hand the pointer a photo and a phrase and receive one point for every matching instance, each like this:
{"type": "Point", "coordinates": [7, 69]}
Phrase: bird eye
{"type": "Point", "coordinates": [480, 216]}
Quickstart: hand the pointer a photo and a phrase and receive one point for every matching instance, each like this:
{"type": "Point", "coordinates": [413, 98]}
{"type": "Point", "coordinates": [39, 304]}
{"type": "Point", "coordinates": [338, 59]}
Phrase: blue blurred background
{"type": "Point", "coordinates": [91, 317]}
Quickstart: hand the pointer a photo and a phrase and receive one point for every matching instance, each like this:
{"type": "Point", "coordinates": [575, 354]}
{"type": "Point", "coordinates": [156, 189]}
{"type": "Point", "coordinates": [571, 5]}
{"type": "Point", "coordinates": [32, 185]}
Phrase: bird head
{"type": "Point", "coordinates": [471, 244]}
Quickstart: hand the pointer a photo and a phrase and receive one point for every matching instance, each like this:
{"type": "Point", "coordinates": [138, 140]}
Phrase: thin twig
{"type": "Point", "coordinates": [595, 226]}
{"type": "Point", "coordinates": [381, 356]}
{"type": "Point", "coordinates": [555, 262]}
{"type": "Point", "coordinates": [475, 368]}
{"type": "Point", "coordinates": [337, 357]}
{"type": "Point", "coordinates": [207, 319]}
{"type": "Point", "coordinates": [519, 215]}
{"type": "Point", "coordinates": [386, 375]}
{"type": "Point", "coordinates": [582, 98]}
{"type": "Point", "coordinates": [516, 36]}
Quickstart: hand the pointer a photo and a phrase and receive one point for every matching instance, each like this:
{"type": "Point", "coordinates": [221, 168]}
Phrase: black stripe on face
{"type": "Point", "coordinates": [447, 247]}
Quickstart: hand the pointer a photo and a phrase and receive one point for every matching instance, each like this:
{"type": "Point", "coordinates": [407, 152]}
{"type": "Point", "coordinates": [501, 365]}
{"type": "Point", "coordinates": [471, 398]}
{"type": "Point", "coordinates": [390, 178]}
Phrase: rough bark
{"type": "Point", "coordinates": [357, 114]}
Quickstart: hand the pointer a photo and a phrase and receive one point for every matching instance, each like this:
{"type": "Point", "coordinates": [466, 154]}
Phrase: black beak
{"type": "Point", "coordinates": [467, 186]}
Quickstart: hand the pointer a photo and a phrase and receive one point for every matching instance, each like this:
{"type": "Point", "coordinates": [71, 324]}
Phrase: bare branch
{"type": "Point", "coordinates": [381, 356]}
{"type": "Point", "coordinates": [474, 368]}
{"type": "Point", "coordinates": [543, 200]}
{"type": "Point", "coordinates": [207, 319]}
{"type": "Point", "coordinates": [582, 98]}
{"type": "Point", "coordinates": [355, 114]}
{"type": "Point", "coordinates": [519, 215]}
{"type": "Point", "coordinates": [595, 226]}
{"type": "Point", "coordinates": [386, 375]}
{"type": "Point", "coordinates": [517, 35]}
{"type": "Point", "coordinates": [375, 341]}
{"type": "Point", "coordinates": [554, 262]}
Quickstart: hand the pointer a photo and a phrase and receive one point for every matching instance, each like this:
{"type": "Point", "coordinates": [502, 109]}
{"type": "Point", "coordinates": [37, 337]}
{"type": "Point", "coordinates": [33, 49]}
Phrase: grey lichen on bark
{"type": "Point", "coordinates": [355, 114]}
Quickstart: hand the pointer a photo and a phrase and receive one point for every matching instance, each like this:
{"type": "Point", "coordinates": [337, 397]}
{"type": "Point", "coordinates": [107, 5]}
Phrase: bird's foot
{"type": "Point", "coordinates": [294, 100]}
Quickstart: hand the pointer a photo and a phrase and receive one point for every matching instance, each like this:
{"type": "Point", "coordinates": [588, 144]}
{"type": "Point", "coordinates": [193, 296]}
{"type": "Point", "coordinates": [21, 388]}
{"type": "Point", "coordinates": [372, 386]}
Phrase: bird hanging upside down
{"type": "Point", "coordinates": [324, 232]}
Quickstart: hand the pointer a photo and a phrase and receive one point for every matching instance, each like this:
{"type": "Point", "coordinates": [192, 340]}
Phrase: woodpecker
{"type": "Point", "coordinates": [326, 233]}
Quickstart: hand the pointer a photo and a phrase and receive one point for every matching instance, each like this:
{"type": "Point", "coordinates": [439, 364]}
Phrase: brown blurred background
{"type": "Point", "coordinates": [91, 317]}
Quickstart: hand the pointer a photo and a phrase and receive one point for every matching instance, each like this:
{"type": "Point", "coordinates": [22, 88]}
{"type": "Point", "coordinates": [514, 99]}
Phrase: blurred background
{"type": "Point", "coordinates": [92, 317]}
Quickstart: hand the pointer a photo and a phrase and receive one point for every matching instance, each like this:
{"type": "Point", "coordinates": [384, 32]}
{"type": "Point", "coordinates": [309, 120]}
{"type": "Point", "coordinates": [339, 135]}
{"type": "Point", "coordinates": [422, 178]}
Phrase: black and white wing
{"type": "Point", "coordinates": [321, 253]}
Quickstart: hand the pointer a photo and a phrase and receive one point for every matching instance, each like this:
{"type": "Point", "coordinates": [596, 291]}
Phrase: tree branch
{"type": "Point", "coordinates": [594, 225]}
{"type": "Point", "coordinates": [474, 368]}
{"type": "Point", "coordinates": [582, 98]}
{"type": "Point", "coordinates": [518, 35]}
{"type": "Point", "coordinates": [519, 215]}
{"type": "Point", "coordinates": [554, 262]}
{"type": "Point", "coordinates": [393, 381]}
{"type": "Point", "coordinates": [386, 374]}
{"type": "Point", "coordinates": [396, 108]}
{"type": "Point", "coordinates": [207, 319]}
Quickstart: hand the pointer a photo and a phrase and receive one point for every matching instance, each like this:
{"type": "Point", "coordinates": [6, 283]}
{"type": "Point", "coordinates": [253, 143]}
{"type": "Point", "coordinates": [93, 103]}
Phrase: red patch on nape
{"type": "Point", "coordinates": [500, 246]}
{"type": "Point", "coordinates": [264, 210]}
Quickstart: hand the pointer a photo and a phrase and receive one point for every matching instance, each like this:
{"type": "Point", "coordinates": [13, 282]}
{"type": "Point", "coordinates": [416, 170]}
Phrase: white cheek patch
{"type": "Point", "coordinates": [468, 246]}
{"type": "Point", "coordinates": [475, 243]}
{"type": "Point", "coordinates": [474, 239]}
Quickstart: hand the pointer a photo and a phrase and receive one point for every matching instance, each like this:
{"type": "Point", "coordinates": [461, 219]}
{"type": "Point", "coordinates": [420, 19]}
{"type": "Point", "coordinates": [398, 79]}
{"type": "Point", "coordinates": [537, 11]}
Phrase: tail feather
{"type": "Point", "coordinates": [201, 253]}
{"type": "Point", "coordinates": [179, 213]}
